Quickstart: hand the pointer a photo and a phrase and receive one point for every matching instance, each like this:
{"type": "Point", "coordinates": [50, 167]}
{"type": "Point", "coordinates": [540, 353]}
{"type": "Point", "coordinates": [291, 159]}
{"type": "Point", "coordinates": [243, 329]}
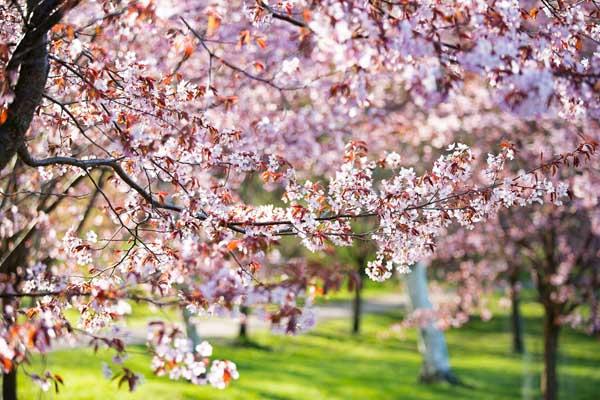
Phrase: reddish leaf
{"type": "Point", "coordinates": [214, 22]}
{"type": "Point", "coordinates": [261, 42]}
{"type": "Point", "coordinates": [3, 116]}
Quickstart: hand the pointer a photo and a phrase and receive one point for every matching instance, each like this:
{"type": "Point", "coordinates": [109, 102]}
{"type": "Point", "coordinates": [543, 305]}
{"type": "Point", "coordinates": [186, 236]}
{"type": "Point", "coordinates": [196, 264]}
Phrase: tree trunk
{"type": "Point", "coordinates": [516, 319]}
{"type": "Point", "coordinates": [243, 333]}
{"type": "Point", "coordinates": [30, 59]}
{"type": "Point", "coordinates": [9, 380]}
{"type": "Point", "coordinates": [9, 385]}
{"type": "Point", "coordinates": [432, 343]}
{"type": "Point", "coordinates": [357, 302]}
{"type": "Point", "coordinates": [15, 259]}
{"type": "Point", "coordinates": [549, 376]}
{"type": "Point", "coordinates": [190, 329]}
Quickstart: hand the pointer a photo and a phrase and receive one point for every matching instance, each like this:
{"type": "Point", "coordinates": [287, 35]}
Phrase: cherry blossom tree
{"type": "Point", "coordinates": [158, 113]}
{"type": "Point", "coordinates": [557, 246]}
{"type": "Point", "coordinates": [486, 263]}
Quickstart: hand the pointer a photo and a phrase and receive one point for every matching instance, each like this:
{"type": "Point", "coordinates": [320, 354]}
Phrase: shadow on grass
{"type": "Point", "coordinates": [250, 344]}
{"type": "Point", "coordinates": [331, 364]}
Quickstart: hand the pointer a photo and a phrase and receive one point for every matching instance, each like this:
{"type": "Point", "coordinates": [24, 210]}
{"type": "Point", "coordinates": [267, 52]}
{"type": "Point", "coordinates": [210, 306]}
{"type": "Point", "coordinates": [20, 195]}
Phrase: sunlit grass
{"type": "Point", "coordinates": [331, 364]}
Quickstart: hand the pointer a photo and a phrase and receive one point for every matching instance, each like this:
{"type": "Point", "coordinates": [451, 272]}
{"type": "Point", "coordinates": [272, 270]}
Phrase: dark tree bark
{"type": "Point", "coordinates": [30, 61]}
{"type": "Point", "coordinates": [357, 301]}
{"type": "Point", "coordinates": [551, 335]}
{"type": "Point", "coordinates": [9, 385]}
{"type": "Point", "coordinates": [13, 261]}
{"type": "Point", "coordinates": [9, 380]}
{"type": "Point", "coordinates": [518, 344]}
{"type": "Point", "coordinates": [243, 333]}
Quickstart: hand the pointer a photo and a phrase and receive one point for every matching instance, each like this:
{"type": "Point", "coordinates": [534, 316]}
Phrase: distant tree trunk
{"type": "Point", "coordinates": [516, 319]}
{"type": "Point", "coordinates": [243, 333]}
{"type": "Point", "coordinates": [551, 334]}
{"type": "Point", "coordinates": [9, 380]}
{"type": "Point", "coordinates": [357, 301]}
{"type": "Point", "coordinates": [9, 385]}
{"type": "Point", "coordinates": [432, 343]}
{"type": "Point", "coordinates": [190, 328]}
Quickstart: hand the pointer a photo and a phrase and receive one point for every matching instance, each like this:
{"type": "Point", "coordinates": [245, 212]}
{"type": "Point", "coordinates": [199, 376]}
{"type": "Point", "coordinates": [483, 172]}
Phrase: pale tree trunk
{"type": "Point", "coordinates": [190, 328]}
{"type": "Point", "coordinates": [431, 342]}
{"type": "Point", "coordinates": [549, 375]}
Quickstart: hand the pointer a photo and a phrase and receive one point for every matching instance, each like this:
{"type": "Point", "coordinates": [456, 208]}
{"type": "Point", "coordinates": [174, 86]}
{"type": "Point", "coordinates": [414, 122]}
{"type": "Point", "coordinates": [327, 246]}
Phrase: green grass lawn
{"type": "Point", "coordinates": [330, 364]}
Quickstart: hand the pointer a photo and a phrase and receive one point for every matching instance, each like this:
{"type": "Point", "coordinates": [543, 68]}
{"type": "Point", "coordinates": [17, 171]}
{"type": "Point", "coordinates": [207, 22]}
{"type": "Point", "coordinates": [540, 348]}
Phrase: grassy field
{"type": "Point", "coordinates": [330, 364]}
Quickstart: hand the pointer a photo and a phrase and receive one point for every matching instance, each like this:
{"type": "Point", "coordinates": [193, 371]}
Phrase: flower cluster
{"type": "Point", "coordinates": [173, 355]}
